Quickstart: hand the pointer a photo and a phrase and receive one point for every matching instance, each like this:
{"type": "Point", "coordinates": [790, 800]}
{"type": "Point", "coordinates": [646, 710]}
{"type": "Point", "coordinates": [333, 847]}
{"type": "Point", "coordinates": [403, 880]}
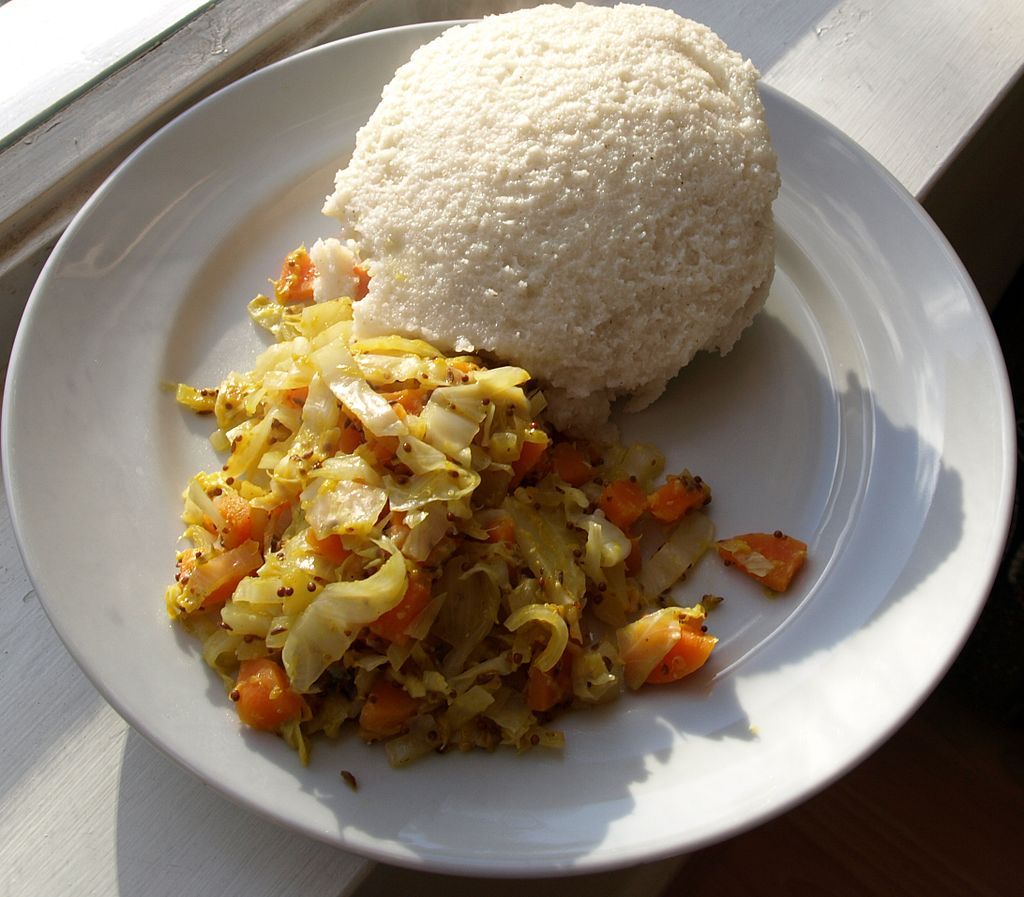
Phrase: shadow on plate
{"type": "Point", "coordinates": [820, 480]}
{"type": "Point", "coordinates": [791, 434]}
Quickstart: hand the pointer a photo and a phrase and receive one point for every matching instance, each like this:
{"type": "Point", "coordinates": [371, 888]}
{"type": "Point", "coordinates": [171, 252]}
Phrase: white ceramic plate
{"type": "Point", "coordinates": [866, 410]}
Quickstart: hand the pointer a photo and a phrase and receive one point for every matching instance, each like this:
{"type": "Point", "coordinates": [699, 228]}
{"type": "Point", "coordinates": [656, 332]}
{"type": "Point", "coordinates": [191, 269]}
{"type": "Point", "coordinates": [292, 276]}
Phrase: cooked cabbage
{"type": "Point", "coordinates": [548, 615]}
{"type": "Point", "coordinates": [323, 632]}
{"type": "Point", "coordinates": [390, 525]}
{"type": "Point", "coordinates": [681, 550]}
{"type": "Point", "coordinates": [644, 643]}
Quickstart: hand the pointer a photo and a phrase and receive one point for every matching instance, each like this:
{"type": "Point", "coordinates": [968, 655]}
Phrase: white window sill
{"type": "Point", "coordinates": [72, 47]}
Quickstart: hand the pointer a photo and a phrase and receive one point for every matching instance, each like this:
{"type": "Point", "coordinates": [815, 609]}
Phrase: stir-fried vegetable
{"type": "Point", "coordinates": [680, 495]}
{"type": "Point", "coordinates": [623, 502]}
{"type": "Point", "coordinates": [773, 559]}
{"type": "Point", "coordinates": [264, 697]}
{"type": "Point", "coordinates": [296, 281]}
{"type": "Point", "coordinates": [397, 543]}
{"type": "Point", "coordinates": [649, 647]}
{"type": "Point", "coordinates": [386, 711]}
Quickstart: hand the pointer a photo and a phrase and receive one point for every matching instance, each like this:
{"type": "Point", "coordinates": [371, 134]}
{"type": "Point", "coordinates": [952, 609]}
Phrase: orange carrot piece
{"type": "Point", "coordinates": [384, 448]}
{"type": "Point", "coordinates": [547, 689]}
{"type": "Point", "coordinates": [264, 697]}
{"type": "Point", "coordinates": [330, 548]}
{"type": "Point", "coordinates": [362, 282]}
{"type": "Point", "coordinates": [350, 439]}
{"type": "Point", "coordinates": [296, 281]}
{"type": "Point", "coordinates": [392, 625]}
{"type": "Point", "coordinates": [502, 530]}
{"type": "Point", "coordinates": [411, 401]}
{"type": "Point", "coordinates": [529, 459]}
{"type": "Point", "coordinates": [387, 709]}
{"type": "Point", "coordinates": [773, 559]}
{"type": "Point", "coordinates": [680, 495]}
{"type": "Point", "coordinates": [216, 579]}
{"type": "Point", "coordinates": [686, 656]}
{"type": "Point", "coordinates": [237, 518]}
{"type": "Point", "coordinates": [296, 397]}
{"type": "Point", "coordinates": [623, 501]}
{"type": "Point", "coordinates": [571, 464]}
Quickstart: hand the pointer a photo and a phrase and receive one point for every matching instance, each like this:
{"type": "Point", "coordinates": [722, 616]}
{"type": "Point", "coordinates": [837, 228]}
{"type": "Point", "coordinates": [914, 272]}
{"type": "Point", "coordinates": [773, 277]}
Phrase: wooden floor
{"type": "Point", "coordinates": [938, 810]}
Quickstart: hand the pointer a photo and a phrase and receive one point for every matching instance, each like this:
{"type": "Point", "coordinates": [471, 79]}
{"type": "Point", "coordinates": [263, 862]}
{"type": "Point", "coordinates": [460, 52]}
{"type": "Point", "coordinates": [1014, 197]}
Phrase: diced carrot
{"type": "Point", "coordinates": [362, 281]}
{"type": "Point", "coordinates": [773, 559]}
{"type": "Point", "coordinates": [265, 698]}
{"type": "Point", "coordinates": [686, 656]}
{"type": "Point", "coordinates": [530, 457]}
{"type": "Point", "coordinates": [571, 464]}
{"type": "Point", "coordinates": [351, 438]}
{"type": "Point", "coordinates": [466, 367]}
{"type": "Point", "coordinates": [296, 397]}
{"type": "Point", "coordinates": [680, 495]}
{"type": "Point", "coordinates": [384, 448]}
{"type": "Point", "coordinates": [219, 596]}
{"type": "Point", "coordinates": [387, 709]}
{"type": "Point", "coordinates": [237, 516]}
{"type": "Point", "coordinates": [623, 501]}
{"type": "Point", "coordinates": [410, 401]}
{"type": "Point", "coordinates": [502, 530]}
{"type": "Point", "coordinates": [330, 548]}
{"type": "Point", "coordinates": [215, 580]}
{"type": "Point", "coordinates": [392, 625]}
{"type": "Point", "coordinates": [547, 689]}
{"type": "Point", "coordinates": [296, 281]}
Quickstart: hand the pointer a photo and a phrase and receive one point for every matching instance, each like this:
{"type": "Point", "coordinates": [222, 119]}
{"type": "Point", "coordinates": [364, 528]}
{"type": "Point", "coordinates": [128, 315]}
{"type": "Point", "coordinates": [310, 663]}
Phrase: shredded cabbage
{"type": "Point", "coordinates": [680, 551]}
{"type": "Point", "coordinates": [324, 631]}
{"type": "Point", "coordinates": [342, 375]}
{"type": "Point", "coordinates": [391, 528]}
{"type": "Point", "coordinates": [548, 615]}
